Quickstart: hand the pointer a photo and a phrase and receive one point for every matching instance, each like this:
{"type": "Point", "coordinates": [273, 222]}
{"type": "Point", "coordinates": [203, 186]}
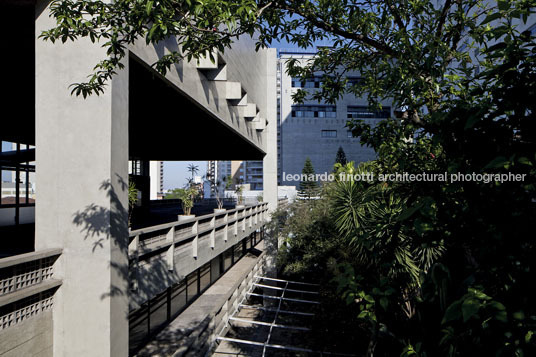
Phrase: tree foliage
{"type": "Point", "coordinates": [341, 157]}
{"type": "Point", "coordinates": [308, 184]}
{"type": "Point", "coordinates": [433, 268]}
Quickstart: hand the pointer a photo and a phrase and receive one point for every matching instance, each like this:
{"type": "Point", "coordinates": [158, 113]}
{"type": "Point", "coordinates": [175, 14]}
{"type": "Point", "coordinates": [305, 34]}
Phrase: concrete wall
{"type": "Point", "coordinates": [32, 337]}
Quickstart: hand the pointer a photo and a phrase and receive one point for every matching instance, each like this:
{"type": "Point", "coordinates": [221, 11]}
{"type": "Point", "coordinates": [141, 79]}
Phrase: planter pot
{"type": "Point", "coordinates": [183, 217]}
{"type": "Point", "coordinates": [219, 210]}
{"type": "Point", "coordinates": [240, 206]}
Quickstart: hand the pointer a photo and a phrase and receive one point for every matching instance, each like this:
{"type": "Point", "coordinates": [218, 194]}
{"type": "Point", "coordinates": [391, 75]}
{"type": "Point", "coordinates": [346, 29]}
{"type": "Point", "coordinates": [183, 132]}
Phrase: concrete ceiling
{"type": "Point", "coordinates": [166, 125]}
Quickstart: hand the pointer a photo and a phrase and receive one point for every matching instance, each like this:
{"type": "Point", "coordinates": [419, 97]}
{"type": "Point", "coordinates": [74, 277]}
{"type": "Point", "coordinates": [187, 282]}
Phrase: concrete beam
{"type": "Point", "coordinates": [218, 74]}
{"type": "Point", "coordinates": [250, 111]}
{"type": "Point", "coordinates": [233, 91]}
{"type": "Point", "coordinates": [205, 63]}
{"type": "Point", "coordinates": [260, 124]}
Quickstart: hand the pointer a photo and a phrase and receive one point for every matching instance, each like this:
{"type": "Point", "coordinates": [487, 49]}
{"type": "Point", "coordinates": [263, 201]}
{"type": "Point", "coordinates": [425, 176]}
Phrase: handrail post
{"type": "Point", "coordinates": [196, 239]}
{"type": "Point", "coordinates": [170, 254]}
{"type": "Point", "coordinates": [226, 229]}
{"type": "Point", "coordinates": [235, 226]}
{"type": "Point", "coordinates": [213, 232]}
{"type": "Point", "coordinates": [133, 252]}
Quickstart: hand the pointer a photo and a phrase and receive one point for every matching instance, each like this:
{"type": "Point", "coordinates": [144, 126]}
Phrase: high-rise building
{"type": "Point", "coordinates": [156, 174]}
{"type": "Point", "coordinates": [317, 130]}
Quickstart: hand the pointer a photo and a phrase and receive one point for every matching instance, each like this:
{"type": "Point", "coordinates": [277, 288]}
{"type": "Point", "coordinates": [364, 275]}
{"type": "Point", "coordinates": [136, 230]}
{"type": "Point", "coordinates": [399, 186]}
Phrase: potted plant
{"type": "Point", "coordinates": [132, 200]}
{"type": "Point", "coordinates": [239, 190]}
{"type": "Point", "coordinates": [216, 187]}
{"type": "Point", "coordinates": [187, 196]}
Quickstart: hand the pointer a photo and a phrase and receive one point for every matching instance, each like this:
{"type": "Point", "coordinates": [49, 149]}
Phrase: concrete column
{"type": "Point", "coordinates": [81, 206]}
{"type": "Point", "coordinates": [270, 159]}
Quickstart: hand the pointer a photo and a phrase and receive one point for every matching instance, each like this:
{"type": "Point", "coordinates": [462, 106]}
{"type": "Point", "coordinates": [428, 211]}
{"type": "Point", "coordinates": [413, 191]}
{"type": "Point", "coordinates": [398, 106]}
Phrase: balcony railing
{"type": "Point", "coordinates": [26, 285]}
{"type": "Point", "coordinates": [182, 246]}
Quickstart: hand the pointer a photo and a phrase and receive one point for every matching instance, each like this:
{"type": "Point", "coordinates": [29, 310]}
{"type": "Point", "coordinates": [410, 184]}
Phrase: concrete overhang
{"type": "Point", "coordinates": [166, 124]}
{"type": "Point", "coordinates": [200, 110]}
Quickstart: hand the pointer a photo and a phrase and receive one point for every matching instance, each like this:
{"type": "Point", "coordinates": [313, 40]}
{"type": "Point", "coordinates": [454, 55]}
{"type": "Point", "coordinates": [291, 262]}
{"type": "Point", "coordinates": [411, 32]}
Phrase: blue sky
{"type": "Point", "coordinates": [176, 173]}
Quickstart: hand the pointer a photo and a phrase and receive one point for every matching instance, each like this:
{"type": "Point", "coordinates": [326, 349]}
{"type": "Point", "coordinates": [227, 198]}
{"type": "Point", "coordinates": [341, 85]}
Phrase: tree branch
{"type": "Point", "coordinates": [314, 19]}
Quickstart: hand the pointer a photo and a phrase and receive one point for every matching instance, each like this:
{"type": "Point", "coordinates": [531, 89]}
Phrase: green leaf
{"type": "Point", "coordinates": [408, 212]}
{"type": "Point", "coordinates": [149, 7]}
{"type": "Point", "coordinates": [525, 161]}
{"type": "Point", "coordinates": [384, 302]}
{"type": "Point", "coordinates": [471, 121]}
{"type": "Point", "coordinates": [518, 315]}
{"type": "Point", "coordinates": [470, 308]}
{"type": "Point", "coordinates": [490, 18]}
{"type": "Point", "coordinates": [498, 162]}
{"type": "Point", "coordinates": [453, 312]}
{"type": "Point", "coordinates": [503, 5]}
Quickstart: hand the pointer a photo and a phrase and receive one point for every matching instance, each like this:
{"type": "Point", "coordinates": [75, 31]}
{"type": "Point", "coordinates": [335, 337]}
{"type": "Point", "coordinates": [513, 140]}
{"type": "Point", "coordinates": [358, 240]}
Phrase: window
{"type": "Point", "coordinates": [314, 111]}
{"type": "Point", "coordinates": [363, 112]}
{"type": "Point", "coordinates": [315, 82]}
{"type": "Point", "coordinates": [329, 133]}
{"type": "Point", "coordinates": [349, 134]}
{"type": "Point", "coordinates": [352, 81]}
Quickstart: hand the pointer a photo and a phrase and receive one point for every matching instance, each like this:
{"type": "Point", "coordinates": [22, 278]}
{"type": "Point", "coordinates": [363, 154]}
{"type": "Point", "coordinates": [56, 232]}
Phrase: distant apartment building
{"type": "Point", "coordinates": [156, 174]}
{"type": "Point", "coordinates": [317, 130]}
{"type": "Point", "coordinates": [241, 172]}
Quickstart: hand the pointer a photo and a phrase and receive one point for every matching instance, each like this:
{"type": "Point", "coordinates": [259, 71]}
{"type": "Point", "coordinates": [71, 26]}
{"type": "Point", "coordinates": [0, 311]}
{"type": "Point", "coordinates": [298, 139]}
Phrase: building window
{"type": "Point", "coordinates": [314, 111]}
{"type": "Point", "coordinates": [329, 133]}
{"type": "Point", "coordinates": [363, 112]}
{"type": "Point", "coordinates": [315, 82]}
{"type": "Point", "coordinates": [352, 81]}
{"type": "Point", "coordinates": [349, 134]}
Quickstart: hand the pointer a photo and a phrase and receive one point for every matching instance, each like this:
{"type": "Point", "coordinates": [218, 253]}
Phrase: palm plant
{"type": "Point", "coordinates": [239, 190]}
{"type": "Point", "coordinates": [132, 200]}
{"type": "Point", "coordinates": [193, 169]}
{"type": "Point", "coordinates": [216, 187]}
{"type": "Point", "coordinates": [187, 197]}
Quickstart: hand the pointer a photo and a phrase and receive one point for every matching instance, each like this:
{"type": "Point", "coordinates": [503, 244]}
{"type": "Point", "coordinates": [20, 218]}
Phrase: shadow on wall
{"type": "Point", "coordinates": [101, 224]}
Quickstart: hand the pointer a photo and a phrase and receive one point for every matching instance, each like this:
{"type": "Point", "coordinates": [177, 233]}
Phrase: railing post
{"type": "Point", "coordinates": [226, 229]}
{"type": "Point", "coordinates": [196, 239]}
{"type": "Point", "coordinates": [213, 232]}
{"type": "Point", "coordinates": [133, 253]}
{"type": "Point", "coordinates": [235, 226]}
{"type": "Point", "coordinates": [170, 237]}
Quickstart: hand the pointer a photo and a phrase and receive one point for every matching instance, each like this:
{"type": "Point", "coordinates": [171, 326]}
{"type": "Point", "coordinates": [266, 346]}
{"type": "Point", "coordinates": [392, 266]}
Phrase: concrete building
{"type": "Point", "coordinates": [317, 130]}
{"type": "Point", "coordinates": [89, 286]}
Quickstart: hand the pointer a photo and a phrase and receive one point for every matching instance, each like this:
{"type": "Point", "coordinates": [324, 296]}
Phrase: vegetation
{"type": "Point", "coordinates": [341, 157]}
{"type": "Point", "coordinates": [215, 186]}
{"type": "Point", "coordinates": [193, 169]}
{"type": "Point", "coordinates": [187, 197]}
{"type": "Point", "coordinates": [239, 190]}
{"type": "Point", "coordinates": [308, 184]}
{"type": "Point", "coordinates": [438, 268]}
{"type": "Point", "coordinates": [132, 200]}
